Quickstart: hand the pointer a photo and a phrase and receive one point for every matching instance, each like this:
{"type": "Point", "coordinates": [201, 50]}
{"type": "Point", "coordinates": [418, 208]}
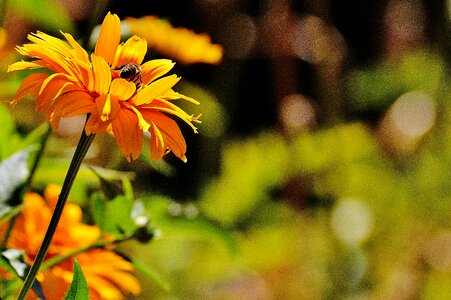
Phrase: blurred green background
{"type": "Point", "coordinates": [323, 165]}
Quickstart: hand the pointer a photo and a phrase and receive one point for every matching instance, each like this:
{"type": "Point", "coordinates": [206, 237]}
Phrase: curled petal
{"type": "Point", "coordinates": [30, 85]}
{"type": "Point", "coordinates": [157, 145]}
{"type": "Point", "coordinates": [109, 38]}
{"type": "Point", "coordinates": [68, 105]}
{"type": "Point", "coordinates": [142, 123]}
{"type": "Point", "coordinates": [122, 88]}
{"type": "Point", "coordinates": [72, 104]}
{"type": "Point", "coordinates": [132, 51]}
{"type": "Point", "coordinates": [23, 65]}
{"type": "Point", "coordinates": [155, 89]}
{"type": "Point", "coordinates": [127, 133]}
{"type": "Point", "coordinates": [170, 132]}
{"type": "Point", "coordinates": [155, 68]}
{"type": "Point", "coordinates": [51, 88]}
{"type": "Point", "coordinates": [172, 95]}
{"type": "Point", "coordinates": [81, 53]}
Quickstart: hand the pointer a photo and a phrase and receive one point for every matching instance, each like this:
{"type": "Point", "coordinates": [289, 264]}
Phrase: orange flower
{"type": "Point", "coordinates": [122, 96]}
{"type": "Point", "coordinates": [181, 44]}
{"type": "Point", "coordinates": [109, 276]}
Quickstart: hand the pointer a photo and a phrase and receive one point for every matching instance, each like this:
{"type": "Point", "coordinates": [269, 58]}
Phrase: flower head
{"type": "Point", "coordinates": [181, 44]}
{"type": "Point", "coordinates": [99, 84]}
{"type": "Point", "coordinates": [109, 276]}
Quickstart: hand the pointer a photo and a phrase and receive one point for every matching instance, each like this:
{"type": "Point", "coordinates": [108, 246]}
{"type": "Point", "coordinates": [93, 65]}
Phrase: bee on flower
{"type": "Point", "coordinates": [121, 94]}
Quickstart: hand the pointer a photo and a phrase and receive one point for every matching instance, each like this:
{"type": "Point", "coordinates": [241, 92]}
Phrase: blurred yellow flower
{"type": "Point", "coordinates": [122, 96]}
{"type": "Point", "coordinates": [109, 276]}
{"type": "Point", "coordinates": [181, 44]}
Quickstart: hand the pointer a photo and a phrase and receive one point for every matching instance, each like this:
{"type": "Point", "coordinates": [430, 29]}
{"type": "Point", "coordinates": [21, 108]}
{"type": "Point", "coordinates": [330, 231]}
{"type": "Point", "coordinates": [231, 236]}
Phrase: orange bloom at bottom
{"type": "Point", "coordinates": [108, 275]}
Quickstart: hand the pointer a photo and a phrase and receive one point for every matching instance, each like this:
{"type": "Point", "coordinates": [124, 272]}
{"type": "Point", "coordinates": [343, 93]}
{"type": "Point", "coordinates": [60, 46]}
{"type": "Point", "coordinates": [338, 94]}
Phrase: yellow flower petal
{"type": "Point", "coordinates": [109, 38]}
{"type": "Point", "coordinates": [72, 104]}
{"type": "Point", "coordinates": [170, 132]}
{"type": "Point", "coordinates": [51, 88]}
{"type": "Point", "coordinates": [170, 108]}
{"type": "Point", "coordinates": [143, 125]}
{"type": "Point", "coordinates": [122, 88]}
{"type": "Point", "coordinates": [155, 68]}
{"type": "Point", "coordinates": [95, 124]}
{"type": "Point", "coordinates": [181, 44]}
{"type": "Point", "coordinates": [23, 65]}
{"type": "Point", "coordinates": [102, 74]}
{"type": "Point", "coordinates": [81, 53]}
{"type": "Point", "coordinates": [172, 95]}
{"type": "Point", "coordinates": [132, 51]}
{"type": "Point", "coordinates": [30, 85]}
{"type": "Point", "coordinates": [127, 133]}
{"type": "Point", "coordinates": [155, 89]}
{"type": "Point", "coordinates": [157, 145]}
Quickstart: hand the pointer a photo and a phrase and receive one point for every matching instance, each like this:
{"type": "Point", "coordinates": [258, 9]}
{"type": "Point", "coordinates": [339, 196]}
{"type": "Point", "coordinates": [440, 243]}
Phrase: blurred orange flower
{"type": "Point", "coordinates": [180, 44]}
{"type": "Point", "coordinates": [109, 276]}
{"type": "Point", "coordinates": [122, 96]}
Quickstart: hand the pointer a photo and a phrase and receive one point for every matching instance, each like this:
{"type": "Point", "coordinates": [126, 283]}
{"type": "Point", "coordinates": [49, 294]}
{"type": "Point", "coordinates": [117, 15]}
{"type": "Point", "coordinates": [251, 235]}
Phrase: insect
{"type": "Point", "coordinates": [130, 72]}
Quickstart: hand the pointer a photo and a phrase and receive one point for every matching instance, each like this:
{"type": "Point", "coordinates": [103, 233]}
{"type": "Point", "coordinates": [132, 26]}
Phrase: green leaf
{"type": "Point", "coordinates": [152, 274]}
{"type": "Point", "coordinates": [98, 206]}
{"type": "Point", "coordinates": [78, 289]}
{"type": "Point", "coordinates": [45, 12]}
{"type": "Point", "coordinates": [13, 261]}
{"type": "Point", "coordinates": [113, 216]}
{"type": "Point", "coordinates": [13, 174]}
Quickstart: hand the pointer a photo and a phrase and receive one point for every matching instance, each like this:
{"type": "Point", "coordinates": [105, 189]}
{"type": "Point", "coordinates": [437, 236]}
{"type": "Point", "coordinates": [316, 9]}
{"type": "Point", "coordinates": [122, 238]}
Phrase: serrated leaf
{"type": "Point", "coordinates": [13, 261]}
{"type": "Point", "coordinates": [78, 289]}
{"type": "Point", "coordinates": [45, 12]}
{"type": "Point", "coordinates": [13, 174]}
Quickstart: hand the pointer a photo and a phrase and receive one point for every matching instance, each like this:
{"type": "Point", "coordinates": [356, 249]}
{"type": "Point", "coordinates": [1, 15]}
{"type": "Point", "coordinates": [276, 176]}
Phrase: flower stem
{"type": "Point", "coordinates": [80, 152]}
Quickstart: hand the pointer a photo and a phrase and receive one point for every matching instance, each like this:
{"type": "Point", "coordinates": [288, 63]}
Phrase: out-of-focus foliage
{"type": "Point", "coordinates": [342, 192]}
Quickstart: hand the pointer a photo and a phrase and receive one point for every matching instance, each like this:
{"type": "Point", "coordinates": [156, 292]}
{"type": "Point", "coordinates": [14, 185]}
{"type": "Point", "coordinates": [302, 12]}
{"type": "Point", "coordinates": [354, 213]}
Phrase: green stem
{"type": "Point", "coordinates": [80, 152]}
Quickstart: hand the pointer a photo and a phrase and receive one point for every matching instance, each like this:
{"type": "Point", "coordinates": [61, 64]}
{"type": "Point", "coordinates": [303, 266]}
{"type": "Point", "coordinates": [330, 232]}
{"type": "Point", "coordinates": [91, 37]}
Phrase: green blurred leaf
{"type": "Point", "coordinates": [36, 136]}
{"type": "Point", "coordinates": [98, 206]}
{"type": "Point", "coordinates": [161, 166]}
{"type": "Point", "coordinates": [110, 187]}
{"type": "Point", "coordinates": [7, 132]}
{"type": "Point", "coordinates": [213, 118]}
{"type": "Point", "coordinates": [113, 216]}
{"type": "Point", "coordinates": [152, 274]}
{"type": "Point", "coordinates": [184, 220]}
{"type": "Point", "coordinates": [78, 289]}
{"type": "Point", "coordinates": [13, 174]}
{"type": "Point", "coordinates": [377, 86]}
{"type": "Point", "coordinates": [46, 12]}
{"type": "Point", "coordinates": [250, 170]}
